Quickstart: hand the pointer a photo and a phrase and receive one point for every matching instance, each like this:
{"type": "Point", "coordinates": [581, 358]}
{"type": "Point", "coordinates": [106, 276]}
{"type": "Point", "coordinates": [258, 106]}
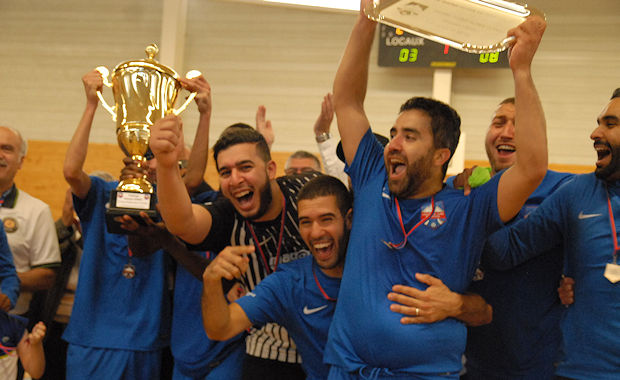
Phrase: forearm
{"type": "Point", "coordinates": [350, 86]}
{"type": "Point", "coordinates": [33, 359]}
{"type": "Point", "coordinates": [197, 163]}
{"type": "Point", "coordinates": [78, 149]}
{"type": "Point", "coordinates": [175, 205]}
{"type": "Point", "coordinates": [473, 310]}
{"type": "Point", "coordinates": [351, 79]}
{"type": "Point", "coordinates": [216, 317]}
{"type": "Point", "coordinates": [531, 128]}
{"type": "Point", "coordinates": [37, 279]}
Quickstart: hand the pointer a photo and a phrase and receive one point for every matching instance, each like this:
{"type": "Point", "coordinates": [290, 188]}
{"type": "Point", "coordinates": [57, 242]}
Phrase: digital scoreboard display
{"type": "Point", "coordinates": [401, 49]}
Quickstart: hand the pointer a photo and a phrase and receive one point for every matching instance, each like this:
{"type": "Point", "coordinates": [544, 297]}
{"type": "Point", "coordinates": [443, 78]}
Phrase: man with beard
{"type": "Point", "coordinates": [582, 216]}
{"type": "Point", "coordinates": [407, 224]}
{"type": "Point", "coordinates": [301, 296]}
{"type": "Point", "coordinates": [256, 209]}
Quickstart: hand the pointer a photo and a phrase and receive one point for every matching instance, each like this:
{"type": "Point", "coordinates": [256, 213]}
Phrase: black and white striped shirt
{"type": "Point", "coordinates": [230, 228]}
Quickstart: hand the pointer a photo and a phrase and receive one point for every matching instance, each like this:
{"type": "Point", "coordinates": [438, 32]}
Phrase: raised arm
{"type": "Point", "coordinates": [350, 85]}
{"type": "Point", "coordinates": [73, 168]}
{"type": "Point", "coordinates": [264, 126]}
{"type": "Point", "coordinates": [190, 222]}
{"type": "Point", "coordinates": [222, 320]}
{"type": "Point", "coordinates": [197, 162]}
{"type": "Point", "coordinates": [530, 167]}
{"type": "Point", "coordinates": [9, 282]}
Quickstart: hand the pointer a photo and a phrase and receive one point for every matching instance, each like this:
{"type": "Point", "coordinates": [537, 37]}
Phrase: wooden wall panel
{"type": "Point", "coordinates": [41, 175]}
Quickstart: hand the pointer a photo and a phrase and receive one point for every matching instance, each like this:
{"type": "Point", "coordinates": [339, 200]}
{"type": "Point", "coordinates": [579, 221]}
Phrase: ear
{"type": "Point", "coordinates": [21, 161]}
{"type": "Point", "coordinates": [348, 219]}
{"type": "Point", "coordinates": [271, 169]}
{"type": "Point", "coordinates": [441, 156]}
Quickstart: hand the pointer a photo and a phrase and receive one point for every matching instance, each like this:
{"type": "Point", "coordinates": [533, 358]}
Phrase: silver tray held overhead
{"type": "Point", "coordinates": [474, 26]}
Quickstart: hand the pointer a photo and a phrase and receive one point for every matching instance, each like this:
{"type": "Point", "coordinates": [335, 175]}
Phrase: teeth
{"type": "Point", "coordinates": [506, 147]}
{"type": "Point", "coordinates": [321, 245]}
{"type": "Point", "coordinates": [242, 194]}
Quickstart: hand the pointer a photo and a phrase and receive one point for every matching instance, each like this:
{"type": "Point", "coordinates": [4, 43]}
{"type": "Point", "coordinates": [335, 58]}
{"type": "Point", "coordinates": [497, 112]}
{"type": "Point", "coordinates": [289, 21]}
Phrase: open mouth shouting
{"type": "Point", "coordinates": [603, 152]}
{"type": "Point", "coordinates": [505, 150]}
{"type": "Point", "coordinates": [397, 167]}
{"type": "Point", "coordinates": [244, 198]}
{"type": "Point", "coordinates": [323, 250]}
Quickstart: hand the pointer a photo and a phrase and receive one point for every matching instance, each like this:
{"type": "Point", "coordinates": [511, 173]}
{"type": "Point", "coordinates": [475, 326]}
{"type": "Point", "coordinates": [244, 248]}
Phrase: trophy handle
{"type": "Point", "coordinates": [190, 74]}
{"type": "Point", "coordinates": [105, 73]}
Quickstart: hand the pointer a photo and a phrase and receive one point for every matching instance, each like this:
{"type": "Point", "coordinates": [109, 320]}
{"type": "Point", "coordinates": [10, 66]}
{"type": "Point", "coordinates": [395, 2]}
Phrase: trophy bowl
{"type": "Point", "coordinates": [474, 26]}
{"type": "Point", "coordinates": [144, 91]}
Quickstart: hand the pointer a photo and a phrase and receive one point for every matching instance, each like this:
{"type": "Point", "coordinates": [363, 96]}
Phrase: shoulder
{"type": "Point", "coordinates": [32, 202]}
{"type": "Point", "coordinates": [296, 267]}
{"type": "Point", "coordinates": [293, 183]}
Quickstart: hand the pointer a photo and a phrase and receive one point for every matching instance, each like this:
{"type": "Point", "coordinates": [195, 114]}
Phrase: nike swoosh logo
{"type": "Point", "coordinates": [587, 216]}
{"type": "Point", "coordinates": [312, 311]}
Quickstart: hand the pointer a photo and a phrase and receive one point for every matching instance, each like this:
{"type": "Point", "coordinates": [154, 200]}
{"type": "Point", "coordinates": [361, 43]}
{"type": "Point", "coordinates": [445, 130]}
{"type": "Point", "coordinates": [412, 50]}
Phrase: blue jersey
{"type": "Point", "coordinates": [577, 217]}
{"type": "Point", "coordinates": [12, 329]}
{"type": "Point", "coordinates": [292, 298]}
{"type": "Point", "coordinates": [365, 335]}
{"type": "Point", "coordinates": [9, 282]}
{"type": "Point", "coordinates": [111, 311]}
{"type": "Point", "coordinates": [524, 337]}
{"type": "Point", "coordinates": [195, 355]}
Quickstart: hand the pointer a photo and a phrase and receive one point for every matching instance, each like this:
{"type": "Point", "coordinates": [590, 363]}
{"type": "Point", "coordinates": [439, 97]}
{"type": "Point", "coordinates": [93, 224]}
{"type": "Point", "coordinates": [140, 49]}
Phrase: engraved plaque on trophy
{"type": "Point", "coordinates": [474, 26]}
{"type": "Point", "coordinates": [144, 92]}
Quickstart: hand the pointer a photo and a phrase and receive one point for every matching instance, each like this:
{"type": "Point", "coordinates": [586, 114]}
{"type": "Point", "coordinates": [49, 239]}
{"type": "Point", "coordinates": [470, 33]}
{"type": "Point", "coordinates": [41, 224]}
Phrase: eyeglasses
{"type": "Point", "coordinates": [293, 171]}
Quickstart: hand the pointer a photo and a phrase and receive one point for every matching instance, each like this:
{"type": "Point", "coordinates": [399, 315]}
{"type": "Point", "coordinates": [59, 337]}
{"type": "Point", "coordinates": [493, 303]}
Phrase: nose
{"type": "Point", "coordinates": [596, 133]}
{"type": "Point", "coordinates": [235, 176]}
{"type": "Point", "coordinates": [395, 144]}
{"type": "Point", "coordinates": [508, 131]}
{"type": "Point", "coordinates": [316, 231]}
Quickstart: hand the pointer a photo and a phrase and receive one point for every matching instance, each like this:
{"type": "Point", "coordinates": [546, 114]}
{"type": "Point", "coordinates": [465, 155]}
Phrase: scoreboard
{"type": "Point", "coordinates": [398, 48]}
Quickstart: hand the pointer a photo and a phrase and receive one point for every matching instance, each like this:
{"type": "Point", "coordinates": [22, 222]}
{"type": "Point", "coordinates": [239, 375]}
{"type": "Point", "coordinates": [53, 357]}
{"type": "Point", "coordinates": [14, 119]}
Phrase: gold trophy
{"type": "Point", "coordinates": [144, 92]}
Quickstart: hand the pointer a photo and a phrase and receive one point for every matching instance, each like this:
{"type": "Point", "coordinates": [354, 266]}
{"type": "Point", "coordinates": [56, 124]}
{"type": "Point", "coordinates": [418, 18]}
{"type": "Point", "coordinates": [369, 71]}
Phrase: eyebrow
{"type": "Point", "coordinates": [607, 118]}
{"type": "Point", "coordinates": [239, 163]}
{"type": "Point", "coordinates": [407, 130]}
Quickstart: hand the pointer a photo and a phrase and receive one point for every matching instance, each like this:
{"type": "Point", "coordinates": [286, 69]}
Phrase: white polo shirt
{"type": "Point", "coordinates": [32, 237]}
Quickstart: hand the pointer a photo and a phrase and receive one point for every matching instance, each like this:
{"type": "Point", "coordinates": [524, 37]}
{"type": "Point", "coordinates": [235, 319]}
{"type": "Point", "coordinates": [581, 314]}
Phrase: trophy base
{"type": "Point", "coordinates": [132, 204]}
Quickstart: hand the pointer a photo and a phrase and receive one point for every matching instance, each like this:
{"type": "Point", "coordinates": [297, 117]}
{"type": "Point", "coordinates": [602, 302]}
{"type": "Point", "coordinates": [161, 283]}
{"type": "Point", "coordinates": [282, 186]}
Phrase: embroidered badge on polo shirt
{"type": "Point", "coordinates": [10, 224]}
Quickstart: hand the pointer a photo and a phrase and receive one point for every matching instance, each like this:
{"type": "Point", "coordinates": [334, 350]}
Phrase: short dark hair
{"type": "Point", "coordinates": [616, 93]}
{"type": "Point", "coordinates": [510, 100]}
{"type": "Point", "coordinates": [445, 122]}
{"type": "Point", "coordinates": [326, 185]}
{"type": "Point", "coordinates": [303, 154]}
{"type": "Point", "coordinates": [239, 134]}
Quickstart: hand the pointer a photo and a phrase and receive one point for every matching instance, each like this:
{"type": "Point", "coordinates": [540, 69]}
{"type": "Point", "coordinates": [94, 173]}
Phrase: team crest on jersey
{"type": "Point", "coordinates": [437, 219]}
{"type": "Point", "coordinates": [10, 224]}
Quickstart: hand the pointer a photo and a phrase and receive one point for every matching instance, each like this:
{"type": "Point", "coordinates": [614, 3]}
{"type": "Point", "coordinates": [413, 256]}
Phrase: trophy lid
{"type": "Point", "coordinates": [149, 63]}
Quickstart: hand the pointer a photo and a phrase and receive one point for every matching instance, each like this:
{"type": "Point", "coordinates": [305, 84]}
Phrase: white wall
{"type": "Point", "coordinates": [285, 58]}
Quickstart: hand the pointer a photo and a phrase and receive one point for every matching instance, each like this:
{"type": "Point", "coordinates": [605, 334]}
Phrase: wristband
{"type": "Point", "coordinates": [323, 137]}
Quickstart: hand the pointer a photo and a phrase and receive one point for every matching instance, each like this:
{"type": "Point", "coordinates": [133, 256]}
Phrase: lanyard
{"type": "Point", "coordinates": [402, 225]}
{"type": "Point", "coordinates": [267, 268]}
{"type": "Point", "coordinates": [613, 227]}
{"type": "Point", "coordinates": [318, 284]}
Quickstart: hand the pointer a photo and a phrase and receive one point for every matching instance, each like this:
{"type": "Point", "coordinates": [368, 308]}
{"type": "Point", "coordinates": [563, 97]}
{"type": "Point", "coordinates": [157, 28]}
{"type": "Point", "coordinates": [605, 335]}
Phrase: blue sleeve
{"type": "Point", "coordinates": [539, 232]}
{"type": "Point", "coordinates": [368, 162]}
{"type": "Point", "coordinates": [267, 303]}
{"type": "Point", "coordinates": [9, 282]}
{"type": "Point", "coordinates": [450, 182]}
{"type": "Point", "coordinates": [84, 208]}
